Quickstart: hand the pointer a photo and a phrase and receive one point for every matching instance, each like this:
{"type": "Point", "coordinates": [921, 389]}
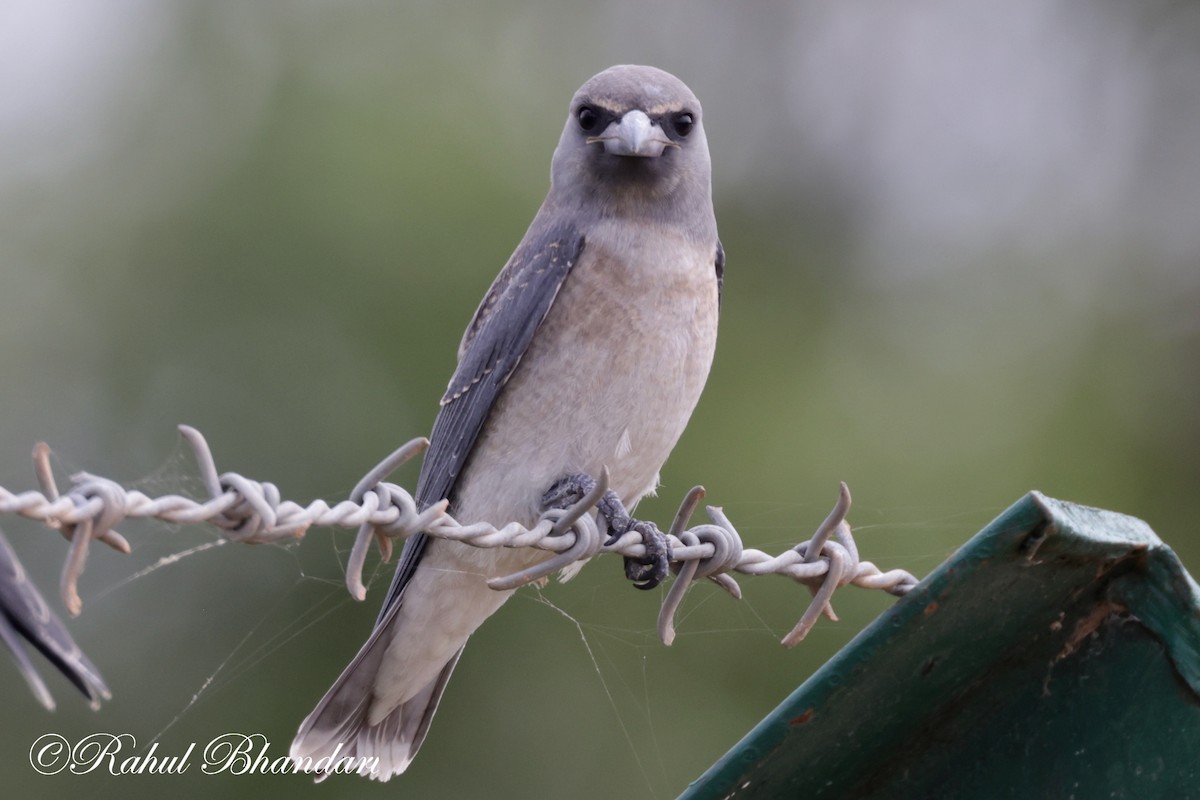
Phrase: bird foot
{"type": "Point", "coordinates": [651, 569]}
{"type": "Point", "coordinates": [568, 491]}
{"type": "Point", "coordinates": [647, 571]}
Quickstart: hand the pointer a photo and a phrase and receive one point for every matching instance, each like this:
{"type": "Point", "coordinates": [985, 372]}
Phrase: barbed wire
{"type": "Point", "coordinates": [254, 512]}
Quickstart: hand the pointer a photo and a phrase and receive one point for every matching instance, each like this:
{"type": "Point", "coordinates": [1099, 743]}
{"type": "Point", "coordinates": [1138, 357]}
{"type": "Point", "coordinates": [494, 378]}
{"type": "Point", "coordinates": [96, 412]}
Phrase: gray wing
{"type": "Point", "coordinates": [24, 615]}
{"type": "Point", "coordinates": [497, 338]}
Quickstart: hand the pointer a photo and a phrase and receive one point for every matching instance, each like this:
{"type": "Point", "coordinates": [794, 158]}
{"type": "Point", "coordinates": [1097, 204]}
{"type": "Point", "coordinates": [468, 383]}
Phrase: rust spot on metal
{"type": "Point", "coordinates": [932, 608]}
{"type": "Point", "coordinates": [1088, 625]}
{"type": "Point", "coordinates": [804, 717]}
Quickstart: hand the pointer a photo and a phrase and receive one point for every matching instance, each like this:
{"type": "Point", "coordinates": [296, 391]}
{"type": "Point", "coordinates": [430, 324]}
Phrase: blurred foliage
{"type": "Point", "coordinates": [962, 264]}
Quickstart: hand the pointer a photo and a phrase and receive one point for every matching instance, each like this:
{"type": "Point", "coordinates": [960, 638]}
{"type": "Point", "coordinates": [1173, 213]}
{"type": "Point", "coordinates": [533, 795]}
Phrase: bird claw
{"type": "Point", "coordinates": [647, 571]}
{"type": "Point", "coordinates": [568, 491]}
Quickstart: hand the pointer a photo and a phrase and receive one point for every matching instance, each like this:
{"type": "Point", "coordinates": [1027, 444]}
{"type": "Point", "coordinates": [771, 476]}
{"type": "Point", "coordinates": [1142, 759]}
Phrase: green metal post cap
{"type": "Point", "coordinates": [1055, 655]}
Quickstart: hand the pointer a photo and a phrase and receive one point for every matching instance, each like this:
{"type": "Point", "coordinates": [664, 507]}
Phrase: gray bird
{"type": "Point", "coordinates": [25, 615]}
{"type": "Point", "coordinates": [590, 349]}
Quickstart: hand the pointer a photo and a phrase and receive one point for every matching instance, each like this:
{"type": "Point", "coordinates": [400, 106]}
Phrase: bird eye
{"type": "Point", "coordinates": [587, 118]}
{"type": "Point", "coordinates": [684, 123]}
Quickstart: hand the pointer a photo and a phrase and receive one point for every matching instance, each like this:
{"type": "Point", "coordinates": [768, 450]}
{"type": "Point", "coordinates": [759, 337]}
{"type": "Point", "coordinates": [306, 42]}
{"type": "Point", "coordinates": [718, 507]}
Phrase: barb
{"type": "Point", "coordinates": [253, 512]}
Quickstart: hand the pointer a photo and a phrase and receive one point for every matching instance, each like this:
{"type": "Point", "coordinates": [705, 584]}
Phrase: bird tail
{"type": "Point", "coordinates": [338, 728]}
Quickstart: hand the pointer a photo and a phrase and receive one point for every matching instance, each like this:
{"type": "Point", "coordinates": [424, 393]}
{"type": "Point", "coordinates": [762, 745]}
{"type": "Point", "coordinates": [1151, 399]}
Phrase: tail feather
{"type": "Point", "coordinates": [338, 728]}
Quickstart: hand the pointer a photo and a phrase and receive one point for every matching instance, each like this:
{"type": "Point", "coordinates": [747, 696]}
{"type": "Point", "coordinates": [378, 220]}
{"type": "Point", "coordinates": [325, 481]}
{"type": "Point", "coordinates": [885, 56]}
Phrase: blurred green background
{"type": "Point", "coordinates": [963, 262]}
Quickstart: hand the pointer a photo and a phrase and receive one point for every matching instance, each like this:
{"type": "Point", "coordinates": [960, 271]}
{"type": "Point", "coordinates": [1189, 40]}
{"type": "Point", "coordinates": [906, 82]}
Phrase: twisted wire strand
{"type": "Point", "coordinates": [254, 512]}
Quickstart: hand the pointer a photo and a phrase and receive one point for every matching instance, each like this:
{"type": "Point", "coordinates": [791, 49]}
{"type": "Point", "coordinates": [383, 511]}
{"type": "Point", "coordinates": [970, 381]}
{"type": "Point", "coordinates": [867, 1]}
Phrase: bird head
{"type": "Point", "coordinates": [633, 140]}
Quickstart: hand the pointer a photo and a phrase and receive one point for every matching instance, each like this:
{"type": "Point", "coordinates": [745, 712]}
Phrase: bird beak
{"type": "Point", "coordinates": [633, 135]}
